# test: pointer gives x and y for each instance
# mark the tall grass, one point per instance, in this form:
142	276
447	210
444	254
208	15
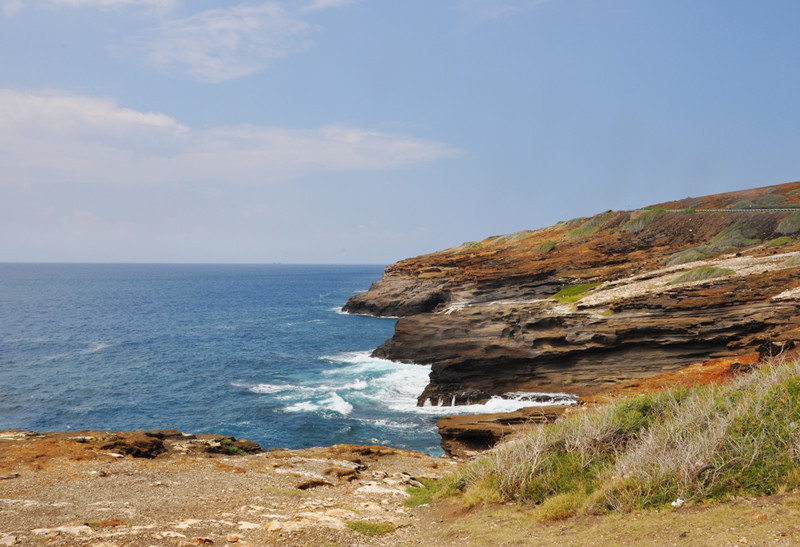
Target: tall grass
706	443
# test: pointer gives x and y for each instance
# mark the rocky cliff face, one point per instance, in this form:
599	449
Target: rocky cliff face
593	302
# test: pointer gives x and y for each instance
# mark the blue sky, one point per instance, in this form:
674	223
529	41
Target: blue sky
367	131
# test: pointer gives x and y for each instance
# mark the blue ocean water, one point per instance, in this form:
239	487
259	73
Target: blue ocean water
261	352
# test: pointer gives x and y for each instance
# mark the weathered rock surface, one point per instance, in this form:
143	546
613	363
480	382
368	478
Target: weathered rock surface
484	317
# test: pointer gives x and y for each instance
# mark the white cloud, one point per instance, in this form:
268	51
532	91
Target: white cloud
56	137
325	4
10	7
223	44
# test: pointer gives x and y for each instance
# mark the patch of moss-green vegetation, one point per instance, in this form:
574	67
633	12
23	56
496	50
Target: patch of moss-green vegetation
770	200
590	227
371	528
744	204
682	257
789	225
573	293
706	272
731	238
778	241
792	261
641	221
422	495
708	443
545	247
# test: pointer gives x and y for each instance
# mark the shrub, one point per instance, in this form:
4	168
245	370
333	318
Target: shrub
682	257
714	442
573	293
792	261
640	222
591	226
789	225
770	200
699	274
545	247
778	241
731	238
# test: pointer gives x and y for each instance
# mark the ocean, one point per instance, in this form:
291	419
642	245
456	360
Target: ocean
261	352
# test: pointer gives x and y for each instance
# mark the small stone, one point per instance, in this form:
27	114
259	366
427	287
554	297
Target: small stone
204	541
274	526
743	540
248	525
233	538
7	541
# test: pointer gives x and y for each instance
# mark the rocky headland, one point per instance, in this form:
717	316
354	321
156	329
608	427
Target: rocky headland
592	304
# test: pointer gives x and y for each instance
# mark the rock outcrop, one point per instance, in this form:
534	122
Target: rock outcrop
594	302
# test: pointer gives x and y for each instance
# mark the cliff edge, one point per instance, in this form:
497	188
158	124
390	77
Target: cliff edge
592	303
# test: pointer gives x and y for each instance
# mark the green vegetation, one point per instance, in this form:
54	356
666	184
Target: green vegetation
573	293
420	495
371	528
591	226
545	247
706	272
708	443
770	200
789	225
682	257
731	238
640	222
744	204
792	261
231	448
778	241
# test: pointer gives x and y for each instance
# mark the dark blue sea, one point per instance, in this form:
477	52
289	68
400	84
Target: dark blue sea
260	352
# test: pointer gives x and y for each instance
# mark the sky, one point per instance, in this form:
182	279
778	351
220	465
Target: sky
368	131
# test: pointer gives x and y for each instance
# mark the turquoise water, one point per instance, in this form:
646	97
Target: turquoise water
261	352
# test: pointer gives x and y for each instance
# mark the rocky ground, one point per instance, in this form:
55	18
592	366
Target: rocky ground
86	488
76	490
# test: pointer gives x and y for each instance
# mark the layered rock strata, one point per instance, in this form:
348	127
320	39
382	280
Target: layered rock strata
590	303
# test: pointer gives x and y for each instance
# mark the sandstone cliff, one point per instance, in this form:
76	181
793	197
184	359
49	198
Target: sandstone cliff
594	302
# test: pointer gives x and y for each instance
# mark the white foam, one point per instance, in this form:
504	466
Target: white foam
333	403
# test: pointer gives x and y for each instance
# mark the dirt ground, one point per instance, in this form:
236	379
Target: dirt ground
66	491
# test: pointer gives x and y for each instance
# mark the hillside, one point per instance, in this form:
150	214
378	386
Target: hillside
592	303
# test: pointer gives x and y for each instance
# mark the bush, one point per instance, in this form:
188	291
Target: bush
641	221
699	274
789	225
770	200
714	442
573	293
778	241
545	247
682	257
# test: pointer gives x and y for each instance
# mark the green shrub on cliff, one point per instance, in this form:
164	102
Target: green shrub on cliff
789	225
778	241
731	238
545	247
641	221
699	274
573	293
715	442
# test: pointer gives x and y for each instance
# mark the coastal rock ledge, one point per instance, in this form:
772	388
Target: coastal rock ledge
592	303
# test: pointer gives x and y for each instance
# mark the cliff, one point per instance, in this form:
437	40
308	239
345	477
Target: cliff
592	303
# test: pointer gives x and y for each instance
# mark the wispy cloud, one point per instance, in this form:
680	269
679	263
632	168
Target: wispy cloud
315	5
10	7
223	44
57	137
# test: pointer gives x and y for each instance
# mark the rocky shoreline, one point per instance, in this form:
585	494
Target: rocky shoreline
170	488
